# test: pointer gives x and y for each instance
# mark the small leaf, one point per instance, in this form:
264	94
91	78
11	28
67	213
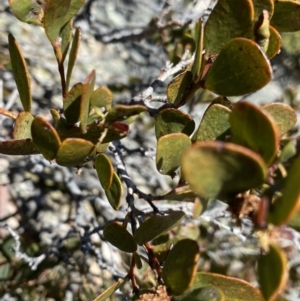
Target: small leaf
288	151
119	237
262	30
240	68
104	170
45	138
272	272
72	102
109	291
20	72
101	98
173	121
22	126
260	5
284	116
74	152
87	90
286	16
216	169
288	205
157	225
73	55
180	266
114	193
275	43
122	112
18	147
65	36
178	87
29	11
229	19
196	68
214	124
207	293
169	150
182	193
253	128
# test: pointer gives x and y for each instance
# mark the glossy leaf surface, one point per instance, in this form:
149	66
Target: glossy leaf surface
18	147
214	123
119	237
274	263
169	150
74	152
253	128
45	137
22	126
20	71
284	116
240	68
180	266
104	170
173	121
157	225
288	205
114	193
216	169
229	19
286	16
101	98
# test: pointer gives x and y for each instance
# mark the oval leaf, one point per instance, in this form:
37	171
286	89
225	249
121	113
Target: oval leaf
74	152
119	237
260	5
214	124
208	293
275	43
22	126
253	128
240	68
284	116
157	225
181	193
105	170
169	150
173	121
71	103
180	266
45	138
101	98
288	205
286	16
114	193
18	147
216	169
229	19
274	263
20	72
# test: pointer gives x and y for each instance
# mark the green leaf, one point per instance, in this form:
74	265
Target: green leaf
57	14
275	43
288	150
272	272
229	19
104	170
72	102
208	293
255	129
169	150
173	121
109	291
214	124
178	87
232	288
260	5
288	205
138	260
87	90
286	16
45	138
240	68
20	72
28	11
122	112
18	147
216	169
180	266
101	98
74	152
182	193
157	225
114	193
283	115
196	68
66	36
22	126
73	55
119	237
